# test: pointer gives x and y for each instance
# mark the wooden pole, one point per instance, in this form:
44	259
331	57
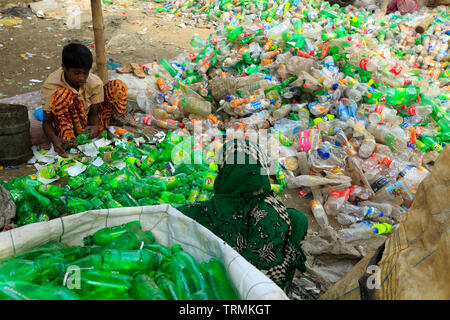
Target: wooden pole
100	51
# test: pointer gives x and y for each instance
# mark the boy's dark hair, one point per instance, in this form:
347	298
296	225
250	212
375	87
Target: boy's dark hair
76	55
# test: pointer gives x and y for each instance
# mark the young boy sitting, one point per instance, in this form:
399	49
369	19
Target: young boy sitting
75	100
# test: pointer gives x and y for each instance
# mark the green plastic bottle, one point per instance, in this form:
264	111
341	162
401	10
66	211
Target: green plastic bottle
280	174
429	144
50	190
75	205
48	266
145	288
42	200
129	261
76	182
204	196
92	183
163	250
140	191
97	203
48	171
168	66
125	199
172	198
83	138
16	195
232	35
18	269
103	285
21	290
214	272
186	274
166	286
131	240
106	235
22	182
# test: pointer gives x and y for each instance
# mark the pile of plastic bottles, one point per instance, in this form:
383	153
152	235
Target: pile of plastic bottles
127	175
357	118
121	262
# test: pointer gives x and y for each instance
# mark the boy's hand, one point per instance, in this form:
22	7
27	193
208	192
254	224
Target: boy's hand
93	131
58	146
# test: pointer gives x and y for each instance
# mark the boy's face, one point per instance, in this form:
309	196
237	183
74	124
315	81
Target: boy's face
76	77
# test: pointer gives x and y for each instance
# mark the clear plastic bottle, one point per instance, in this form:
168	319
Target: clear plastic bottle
335	201
380	113
359	231
298	64
348	218
319	214
196	106
160	114
394	137
352	94
282	112
367	147
325	77
419	110
303	114
143	118
368	212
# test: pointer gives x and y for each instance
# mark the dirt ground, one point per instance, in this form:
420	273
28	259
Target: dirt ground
45	38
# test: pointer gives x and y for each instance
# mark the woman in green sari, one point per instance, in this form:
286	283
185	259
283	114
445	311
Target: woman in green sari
246	214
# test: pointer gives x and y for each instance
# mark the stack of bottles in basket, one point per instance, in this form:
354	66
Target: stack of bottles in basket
121	262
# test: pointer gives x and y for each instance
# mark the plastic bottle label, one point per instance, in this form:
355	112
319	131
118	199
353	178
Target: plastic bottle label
405	171
304	140
412	111
396	69
397	189
340	194
315	204
386	161
363	63
257	105
379	183
378	108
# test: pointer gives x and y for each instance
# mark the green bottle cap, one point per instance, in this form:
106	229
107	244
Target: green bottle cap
88	241
317	121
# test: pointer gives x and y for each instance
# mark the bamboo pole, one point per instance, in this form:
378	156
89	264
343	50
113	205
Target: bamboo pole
100	51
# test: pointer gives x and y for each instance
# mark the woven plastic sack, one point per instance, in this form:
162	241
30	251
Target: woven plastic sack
413	263
7	209
168	225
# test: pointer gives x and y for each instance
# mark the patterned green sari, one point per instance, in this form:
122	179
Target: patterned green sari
246	214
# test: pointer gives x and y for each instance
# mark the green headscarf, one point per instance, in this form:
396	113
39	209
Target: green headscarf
246	214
